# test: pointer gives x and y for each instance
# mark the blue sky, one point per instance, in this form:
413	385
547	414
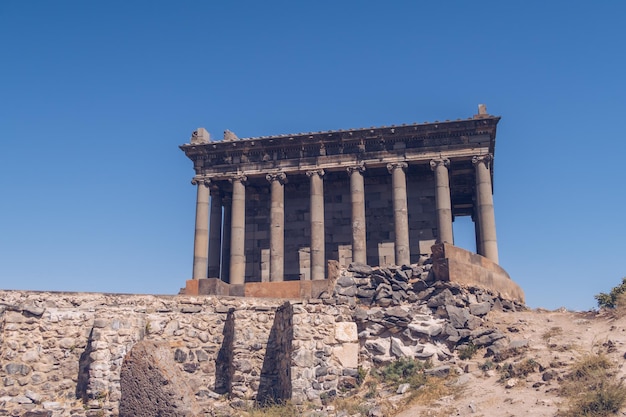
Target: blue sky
95	98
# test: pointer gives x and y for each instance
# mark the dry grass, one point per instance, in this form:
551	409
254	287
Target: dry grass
552	332
592	388
274	410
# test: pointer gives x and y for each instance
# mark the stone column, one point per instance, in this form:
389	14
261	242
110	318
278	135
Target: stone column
277	226
215	233
357	197
201	236
442	199
238	231
484	199
226	228
318	254
400	214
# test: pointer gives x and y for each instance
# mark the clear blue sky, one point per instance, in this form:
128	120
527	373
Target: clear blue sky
95	98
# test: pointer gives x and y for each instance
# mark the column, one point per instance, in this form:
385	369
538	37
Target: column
238	231
318	254
201	236
442	200
357	197
226	229
484	199
400	216
215	233
277	226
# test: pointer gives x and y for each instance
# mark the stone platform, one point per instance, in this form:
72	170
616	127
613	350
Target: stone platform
454	264
304	289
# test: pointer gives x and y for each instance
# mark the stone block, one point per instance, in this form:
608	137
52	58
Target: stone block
347	354
346	332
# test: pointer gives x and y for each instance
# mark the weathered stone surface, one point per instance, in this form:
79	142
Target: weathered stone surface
346	332
152	385
480	309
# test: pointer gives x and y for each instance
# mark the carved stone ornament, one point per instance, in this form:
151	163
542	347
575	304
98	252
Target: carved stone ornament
486	159
200	136
393	165
238	177
359	167
278	176
319	172
201	180
434	163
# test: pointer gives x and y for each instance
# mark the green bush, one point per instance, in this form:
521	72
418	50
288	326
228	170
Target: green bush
403	370
468	351
610	300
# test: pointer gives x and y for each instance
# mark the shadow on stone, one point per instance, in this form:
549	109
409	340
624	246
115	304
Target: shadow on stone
224	364
275	383
84	366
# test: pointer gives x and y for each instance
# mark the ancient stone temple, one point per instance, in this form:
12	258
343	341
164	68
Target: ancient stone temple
278	208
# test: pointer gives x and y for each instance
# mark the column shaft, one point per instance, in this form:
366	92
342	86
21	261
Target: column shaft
357	196
486	216
238	232
201	236
318	254
400	213
226	229
277	226
215	234
443	201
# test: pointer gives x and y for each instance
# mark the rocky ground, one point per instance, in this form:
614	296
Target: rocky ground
554	340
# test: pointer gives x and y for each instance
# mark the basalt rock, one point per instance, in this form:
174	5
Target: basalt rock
152	384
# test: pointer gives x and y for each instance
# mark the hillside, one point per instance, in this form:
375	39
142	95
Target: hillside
554	341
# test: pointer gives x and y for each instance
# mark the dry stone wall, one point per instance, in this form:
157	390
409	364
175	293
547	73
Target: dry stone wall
62	354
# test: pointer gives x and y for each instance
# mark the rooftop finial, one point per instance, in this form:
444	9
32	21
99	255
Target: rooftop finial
229	136
482	112
200	136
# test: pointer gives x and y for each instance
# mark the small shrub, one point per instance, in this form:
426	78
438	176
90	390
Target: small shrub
468	351
372	389
487	365
553	331
610	300
526	367
361	375
592	388
275	410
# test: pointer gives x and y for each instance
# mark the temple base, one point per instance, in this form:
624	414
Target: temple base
453	264
284	289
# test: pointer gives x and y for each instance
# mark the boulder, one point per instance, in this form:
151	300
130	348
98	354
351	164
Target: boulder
360	268
153	385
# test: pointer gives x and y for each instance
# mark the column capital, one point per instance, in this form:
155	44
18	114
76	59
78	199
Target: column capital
312	172
201	180
277	176
358	167
238	177
395	165
486	159
434	163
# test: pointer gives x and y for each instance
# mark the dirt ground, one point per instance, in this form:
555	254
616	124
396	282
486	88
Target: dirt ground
555	339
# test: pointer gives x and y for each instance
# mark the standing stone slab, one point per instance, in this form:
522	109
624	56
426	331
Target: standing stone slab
152	385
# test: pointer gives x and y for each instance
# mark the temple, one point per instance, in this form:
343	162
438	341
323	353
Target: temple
278	208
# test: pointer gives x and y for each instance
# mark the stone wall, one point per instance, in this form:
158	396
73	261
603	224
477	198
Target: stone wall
61	354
